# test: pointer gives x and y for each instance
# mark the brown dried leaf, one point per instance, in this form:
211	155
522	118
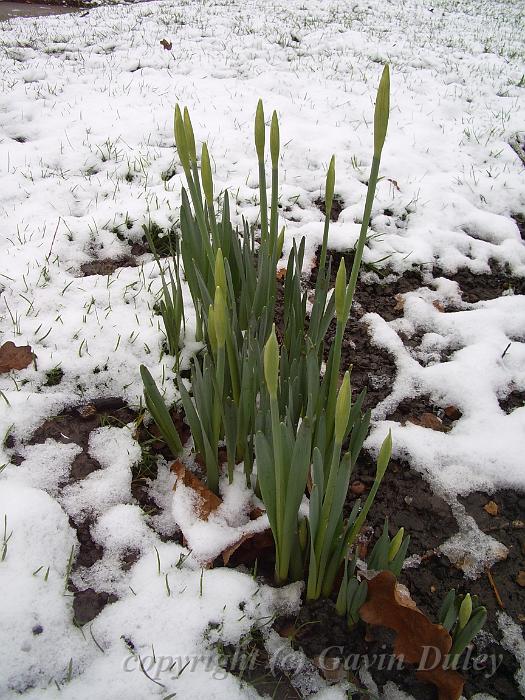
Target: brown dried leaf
400	302
166	44
390	605
520	579
452	412
438	305
331	667
259	541
207	501
15	356
358	488
87	411
491	508
428	420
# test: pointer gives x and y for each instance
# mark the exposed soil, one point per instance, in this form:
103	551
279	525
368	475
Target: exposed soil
76	424
406	499
516	399
520	221
337	206
34	8
422	411
87	604
502	516
485	286
106	266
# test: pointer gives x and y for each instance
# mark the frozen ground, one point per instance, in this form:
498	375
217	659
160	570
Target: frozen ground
87	158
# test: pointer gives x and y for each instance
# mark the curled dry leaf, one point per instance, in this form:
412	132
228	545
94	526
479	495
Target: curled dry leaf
207	501
428	420
400	302
452	412
418	640
15	356
249	548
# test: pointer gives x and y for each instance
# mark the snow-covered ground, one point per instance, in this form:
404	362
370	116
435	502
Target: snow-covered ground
87	157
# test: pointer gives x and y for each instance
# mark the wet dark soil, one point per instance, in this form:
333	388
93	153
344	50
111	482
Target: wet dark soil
76	424
520	221
106	266
34	8
485	286
87	604
337	206
422	411
516	399
406	499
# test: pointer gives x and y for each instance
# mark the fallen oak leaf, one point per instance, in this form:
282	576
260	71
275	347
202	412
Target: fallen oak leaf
166	44
389	604
207	501
15	356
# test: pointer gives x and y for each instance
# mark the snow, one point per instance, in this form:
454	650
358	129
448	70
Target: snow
513	641
87	159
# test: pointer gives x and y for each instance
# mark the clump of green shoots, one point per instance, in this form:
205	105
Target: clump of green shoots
463	617
252	394
352	594
388	553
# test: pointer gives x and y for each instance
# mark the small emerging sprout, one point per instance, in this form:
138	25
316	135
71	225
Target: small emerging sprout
389	554
465	611
463	617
